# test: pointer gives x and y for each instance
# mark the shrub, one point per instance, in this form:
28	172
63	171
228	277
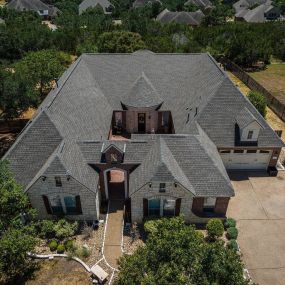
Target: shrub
64	229
232	233
232	244
53	245
85	252
259	102
150	226
230	223
215	228
69	245
60	248
47	229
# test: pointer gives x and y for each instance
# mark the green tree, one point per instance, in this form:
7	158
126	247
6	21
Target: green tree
16	235
177	254
259	102
120	42
41	68
16	94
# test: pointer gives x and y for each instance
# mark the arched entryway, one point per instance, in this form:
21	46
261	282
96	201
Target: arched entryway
115	181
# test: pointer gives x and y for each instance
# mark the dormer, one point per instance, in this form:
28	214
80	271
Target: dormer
112	153
247	128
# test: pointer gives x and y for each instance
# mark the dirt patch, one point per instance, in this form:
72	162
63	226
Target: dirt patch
59	271
6	140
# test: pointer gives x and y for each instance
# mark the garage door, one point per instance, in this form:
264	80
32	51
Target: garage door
246	159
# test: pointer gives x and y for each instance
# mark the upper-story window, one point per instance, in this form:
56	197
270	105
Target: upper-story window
162	187
250	135
58	182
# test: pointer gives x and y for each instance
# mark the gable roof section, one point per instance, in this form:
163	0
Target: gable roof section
244	118
186	159
32	148
199	3
142	94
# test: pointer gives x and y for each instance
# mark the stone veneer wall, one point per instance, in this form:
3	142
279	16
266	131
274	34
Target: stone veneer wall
171	192
132	120
89	203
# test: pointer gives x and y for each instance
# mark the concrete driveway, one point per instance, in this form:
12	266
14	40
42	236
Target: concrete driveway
259	208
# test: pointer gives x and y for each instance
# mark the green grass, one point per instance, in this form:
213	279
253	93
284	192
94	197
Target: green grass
273	79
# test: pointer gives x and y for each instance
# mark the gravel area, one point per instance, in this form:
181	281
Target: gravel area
134	236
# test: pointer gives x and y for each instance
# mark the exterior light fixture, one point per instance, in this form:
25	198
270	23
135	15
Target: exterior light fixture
175	184
149	184
44	178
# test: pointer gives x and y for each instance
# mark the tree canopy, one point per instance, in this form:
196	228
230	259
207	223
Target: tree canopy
177	254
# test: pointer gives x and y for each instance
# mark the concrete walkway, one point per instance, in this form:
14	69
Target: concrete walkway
113	234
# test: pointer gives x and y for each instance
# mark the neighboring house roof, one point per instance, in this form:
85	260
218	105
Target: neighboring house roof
199	3
189	18
203	101
32	5
105	4
142	94
142	3
247	4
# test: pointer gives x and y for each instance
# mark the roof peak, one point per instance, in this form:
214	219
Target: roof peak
143	94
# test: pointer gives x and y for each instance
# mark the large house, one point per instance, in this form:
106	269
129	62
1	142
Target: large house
256	11
170	124
44	10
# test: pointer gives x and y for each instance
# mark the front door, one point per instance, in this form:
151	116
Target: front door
141	122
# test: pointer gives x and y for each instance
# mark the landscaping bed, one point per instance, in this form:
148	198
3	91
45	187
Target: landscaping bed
71	238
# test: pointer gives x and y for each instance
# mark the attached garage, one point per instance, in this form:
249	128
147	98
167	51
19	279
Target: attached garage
246	159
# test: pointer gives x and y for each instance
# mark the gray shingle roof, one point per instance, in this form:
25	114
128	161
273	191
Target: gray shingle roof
142	94
142	3
189	18
244	118
199	3
32	5
85	4
79	112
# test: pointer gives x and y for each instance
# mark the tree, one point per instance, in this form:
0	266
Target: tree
177	254
259	102
41	68
120	42
16	95
16	235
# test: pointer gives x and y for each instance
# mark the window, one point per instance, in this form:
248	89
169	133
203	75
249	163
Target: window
55	204
154	207
251	151
70	205
225	151
238	151
114	158
165	119
162	187
118	119
264	151
58	181
209	204
250	135
168	207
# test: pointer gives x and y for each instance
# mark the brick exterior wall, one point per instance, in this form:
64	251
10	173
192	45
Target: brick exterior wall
89	200
151	117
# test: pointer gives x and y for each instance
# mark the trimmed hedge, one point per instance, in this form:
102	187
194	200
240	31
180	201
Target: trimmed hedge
53	245
232	233
230	223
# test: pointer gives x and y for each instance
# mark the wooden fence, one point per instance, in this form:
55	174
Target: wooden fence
273	103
